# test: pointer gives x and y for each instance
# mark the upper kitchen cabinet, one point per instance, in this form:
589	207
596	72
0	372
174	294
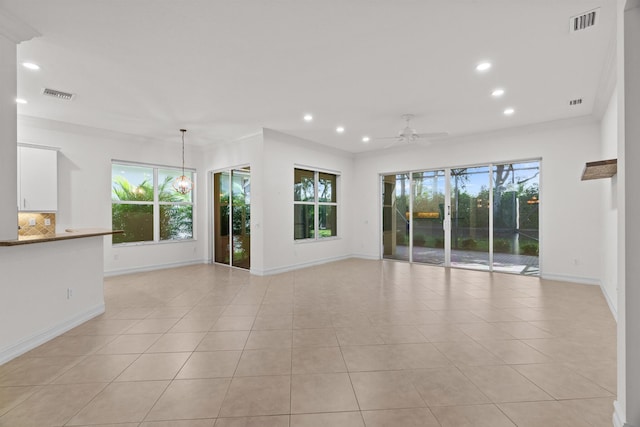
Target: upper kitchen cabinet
37	179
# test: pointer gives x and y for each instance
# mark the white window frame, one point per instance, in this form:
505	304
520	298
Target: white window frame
156	203
316	204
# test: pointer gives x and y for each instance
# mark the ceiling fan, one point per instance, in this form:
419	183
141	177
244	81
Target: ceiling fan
409	135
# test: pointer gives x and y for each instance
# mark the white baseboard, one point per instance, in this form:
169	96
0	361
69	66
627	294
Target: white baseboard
618	416
292	267
153	267
612	307
29	343
366	256
573	279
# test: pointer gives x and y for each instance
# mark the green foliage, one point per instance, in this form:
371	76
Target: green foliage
529	249
419	240
136	220
502	246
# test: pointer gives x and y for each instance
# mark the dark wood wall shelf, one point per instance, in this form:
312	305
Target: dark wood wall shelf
600	169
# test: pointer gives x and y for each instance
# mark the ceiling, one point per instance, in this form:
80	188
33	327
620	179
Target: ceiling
225	69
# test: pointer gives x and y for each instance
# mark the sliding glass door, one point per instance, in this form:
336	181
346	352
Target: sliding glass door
481	217
232	217
470	217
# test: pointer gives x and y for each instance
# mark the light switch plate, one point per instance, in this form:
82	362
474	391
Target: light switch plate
47	221
32	221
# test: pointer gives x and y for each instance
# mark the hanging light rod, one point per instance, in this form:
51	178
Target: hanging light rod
183	184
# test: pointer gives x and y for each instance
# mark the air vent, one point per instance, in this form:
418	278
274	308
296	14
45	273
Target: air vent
583	21
577	101
58	94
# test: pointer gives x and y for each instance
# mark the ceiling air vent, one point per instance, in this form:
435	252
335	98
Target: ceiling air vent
58	94
577	101
584	20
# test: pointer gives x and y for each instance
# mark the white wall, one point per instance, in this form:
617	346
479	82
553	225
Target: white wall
33	297
609	205
84	183
282	153
8	148
570	215
247	151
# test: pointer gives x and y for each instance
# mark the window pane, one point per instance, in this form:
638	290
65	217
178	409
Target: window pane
166	192
133	183
326	187
303	186
176	222
303	227
327	221
135	220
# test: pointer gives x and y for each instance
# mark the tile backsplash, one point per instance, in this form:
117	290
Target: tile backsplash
40	229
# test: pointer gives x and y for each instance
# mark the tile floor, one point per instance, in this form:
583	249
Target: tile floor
351	343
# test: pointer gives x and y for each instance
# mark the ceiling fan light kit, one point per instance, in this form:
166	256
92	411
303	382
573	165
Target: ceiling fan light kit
408	135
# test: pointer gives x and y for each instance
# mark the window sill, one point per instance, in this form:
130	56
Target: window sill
163	242
324	239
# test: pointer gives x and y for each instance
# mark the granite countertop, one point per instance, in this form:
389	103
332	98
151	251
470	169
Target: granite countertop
70	233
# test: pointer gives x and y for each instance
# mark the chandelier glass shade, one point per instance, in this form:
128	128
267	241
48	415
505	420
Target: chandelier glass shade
183	184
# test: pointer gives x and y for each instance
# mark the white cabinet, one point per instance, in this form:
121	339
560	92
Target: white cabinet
37	179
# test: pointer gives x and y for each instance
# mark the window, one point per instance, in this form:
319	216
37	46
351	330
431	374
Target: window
315	204
145	205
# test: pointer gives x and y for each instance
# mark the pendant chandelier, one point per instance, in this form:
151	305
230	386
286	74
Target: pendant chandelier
182	184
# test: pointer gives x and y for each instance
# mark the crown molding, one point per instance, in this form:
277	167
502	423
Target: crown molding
14	29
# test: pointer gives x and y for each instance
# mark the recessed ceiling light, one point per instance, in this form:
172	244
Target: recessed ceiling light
366	139
21	101
497	93
483	66
31	65
308	117
340	129
509	111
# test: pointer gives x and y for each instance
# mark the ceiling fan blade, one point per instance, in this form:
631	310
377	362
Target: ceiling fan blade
432	135
385	137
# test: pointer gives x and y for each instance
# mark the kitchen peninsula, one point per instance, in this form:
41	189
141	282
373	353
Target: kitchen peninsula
50	284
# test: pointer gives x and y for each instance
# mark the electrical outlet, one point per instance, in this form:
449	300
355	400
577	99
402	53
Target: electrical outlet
32	221
47	221
69	293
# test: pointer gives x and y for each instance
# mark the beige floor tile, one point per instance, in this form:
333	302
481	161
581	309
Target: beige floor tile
315	338
72	345
224	340
34	371
121	403
400	335
542	414
176	423
252	396
154	366
273	321
445	387
335	419
269	339
484	331
151	326
393	356
504	384
169	312
385	390
471	416
185	399
241	310
358	336
12	396
415	417
268	421
211	312
103	327
597	412
320	320
177	342
442	332
233	323
51	405
515	352
311	360
192	324
467	353
216	364
561	382
97	369
522	330
271	361
603	373
129	344
322	393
